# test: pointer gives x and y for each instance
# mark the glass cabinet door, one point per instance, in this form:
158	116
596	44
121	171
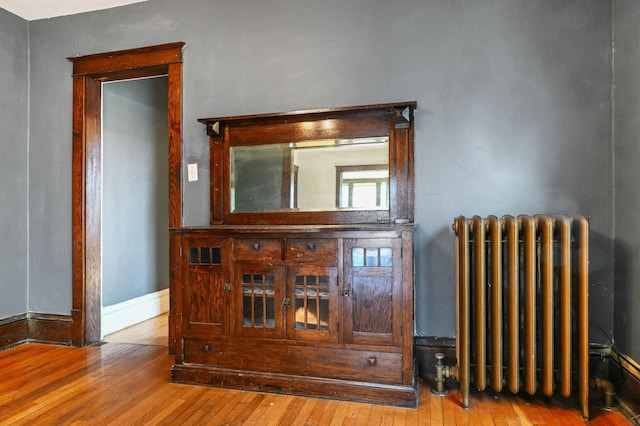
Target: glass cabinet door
312	292
259	301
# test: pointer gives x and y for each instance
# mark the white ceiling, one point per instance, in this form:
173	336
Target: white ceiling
40	9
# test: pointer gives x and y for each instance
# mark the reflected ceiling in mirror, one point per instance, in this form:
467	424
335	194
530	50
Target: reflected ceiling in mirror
310	176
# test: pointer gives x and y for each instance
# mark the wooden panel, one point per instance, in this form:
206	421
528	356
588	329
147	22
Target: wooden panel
317	250
402	166
122	60
205	301
257	249
369	125
175	290
86	208
308	218
46	328
174	86
398	395
50	328
372	304
13	331
368	366
373	314
203	290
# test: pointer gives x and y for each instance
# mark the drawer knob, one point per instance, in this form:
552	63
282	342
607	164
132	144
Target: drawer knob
372	361
256	246
207	348
311	246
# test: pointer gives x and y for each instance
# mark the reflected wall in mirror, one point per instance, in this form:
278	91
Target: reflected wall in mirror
317	175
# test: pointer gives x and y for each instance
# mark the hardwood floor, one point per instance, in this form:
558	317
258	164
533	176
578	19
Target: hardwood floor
125	381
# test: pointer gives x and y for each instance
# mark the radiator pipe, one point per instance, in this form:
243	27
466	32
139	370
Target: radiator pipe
605	386
443	372
607	389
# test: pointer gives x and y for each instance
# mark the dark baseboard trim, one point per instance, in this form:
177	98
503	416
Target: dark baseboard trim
13	331
426	349
36	328
50	328
628	386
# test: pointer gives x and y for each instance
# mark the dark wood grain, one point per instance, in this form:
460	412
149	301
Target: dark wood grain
337	123
350	337
13	331
364	342
103	65
89	72
35	327
50	328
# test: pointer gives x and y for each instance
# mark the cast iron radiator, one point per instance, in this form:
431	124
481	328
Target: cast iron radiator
522	305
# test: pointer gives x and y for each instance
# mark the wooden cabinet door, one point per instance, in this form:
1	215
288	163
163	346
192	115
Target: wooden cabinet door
372	292
311	303
258	300
206	288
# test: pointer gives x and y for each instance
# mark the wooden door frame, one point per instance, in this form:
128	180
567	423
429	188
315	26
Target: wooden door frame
89	72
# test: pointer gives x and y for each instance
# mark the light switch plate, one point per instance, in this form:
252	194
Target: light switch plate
192	172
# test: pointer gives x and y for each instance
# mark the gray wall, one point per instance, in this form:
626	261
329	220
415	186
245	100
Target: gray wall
514	110
14	166
135	189
627	176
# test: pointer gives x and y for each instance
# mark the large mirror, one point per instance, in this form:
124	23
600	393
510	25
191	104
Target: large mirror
334	166
308	176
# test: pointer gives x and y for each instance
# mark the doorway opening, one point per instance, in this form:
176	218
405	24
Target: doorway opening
89	74
135	199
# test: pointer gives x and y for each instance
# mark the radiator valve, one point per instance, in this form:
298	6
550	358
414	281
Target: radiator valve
442	373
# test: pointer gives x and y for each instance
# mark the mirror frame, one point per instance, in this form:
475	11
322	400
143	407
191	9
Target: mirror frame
395	120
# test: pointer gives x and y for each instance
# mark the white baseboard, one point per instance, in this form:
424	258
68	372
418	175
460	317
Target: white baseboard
125	314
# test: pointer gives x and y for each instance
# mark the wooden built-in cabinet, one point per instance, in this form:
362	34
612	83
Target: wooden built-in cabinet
316	309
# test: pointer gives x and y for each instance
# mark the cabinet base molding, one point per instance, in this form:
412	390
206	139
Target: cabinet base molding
398	395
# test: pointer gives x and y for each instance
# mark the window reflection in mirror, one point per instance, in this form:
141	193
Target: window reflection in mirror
363	187
318	175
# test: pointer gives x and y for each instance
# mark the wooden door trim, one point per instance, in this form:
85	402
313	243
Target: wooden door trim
88	74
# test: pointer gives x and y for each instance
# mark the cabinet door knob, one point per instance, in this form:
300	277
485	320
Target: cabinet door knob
372	361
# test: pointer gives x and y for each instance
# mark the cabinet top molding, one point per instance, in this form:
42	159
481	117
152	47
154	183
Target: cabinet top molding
317	113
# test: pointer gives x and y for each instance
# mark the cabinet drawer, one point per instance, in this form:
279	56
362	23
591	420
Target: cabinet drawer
257	249
322	250
346	364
